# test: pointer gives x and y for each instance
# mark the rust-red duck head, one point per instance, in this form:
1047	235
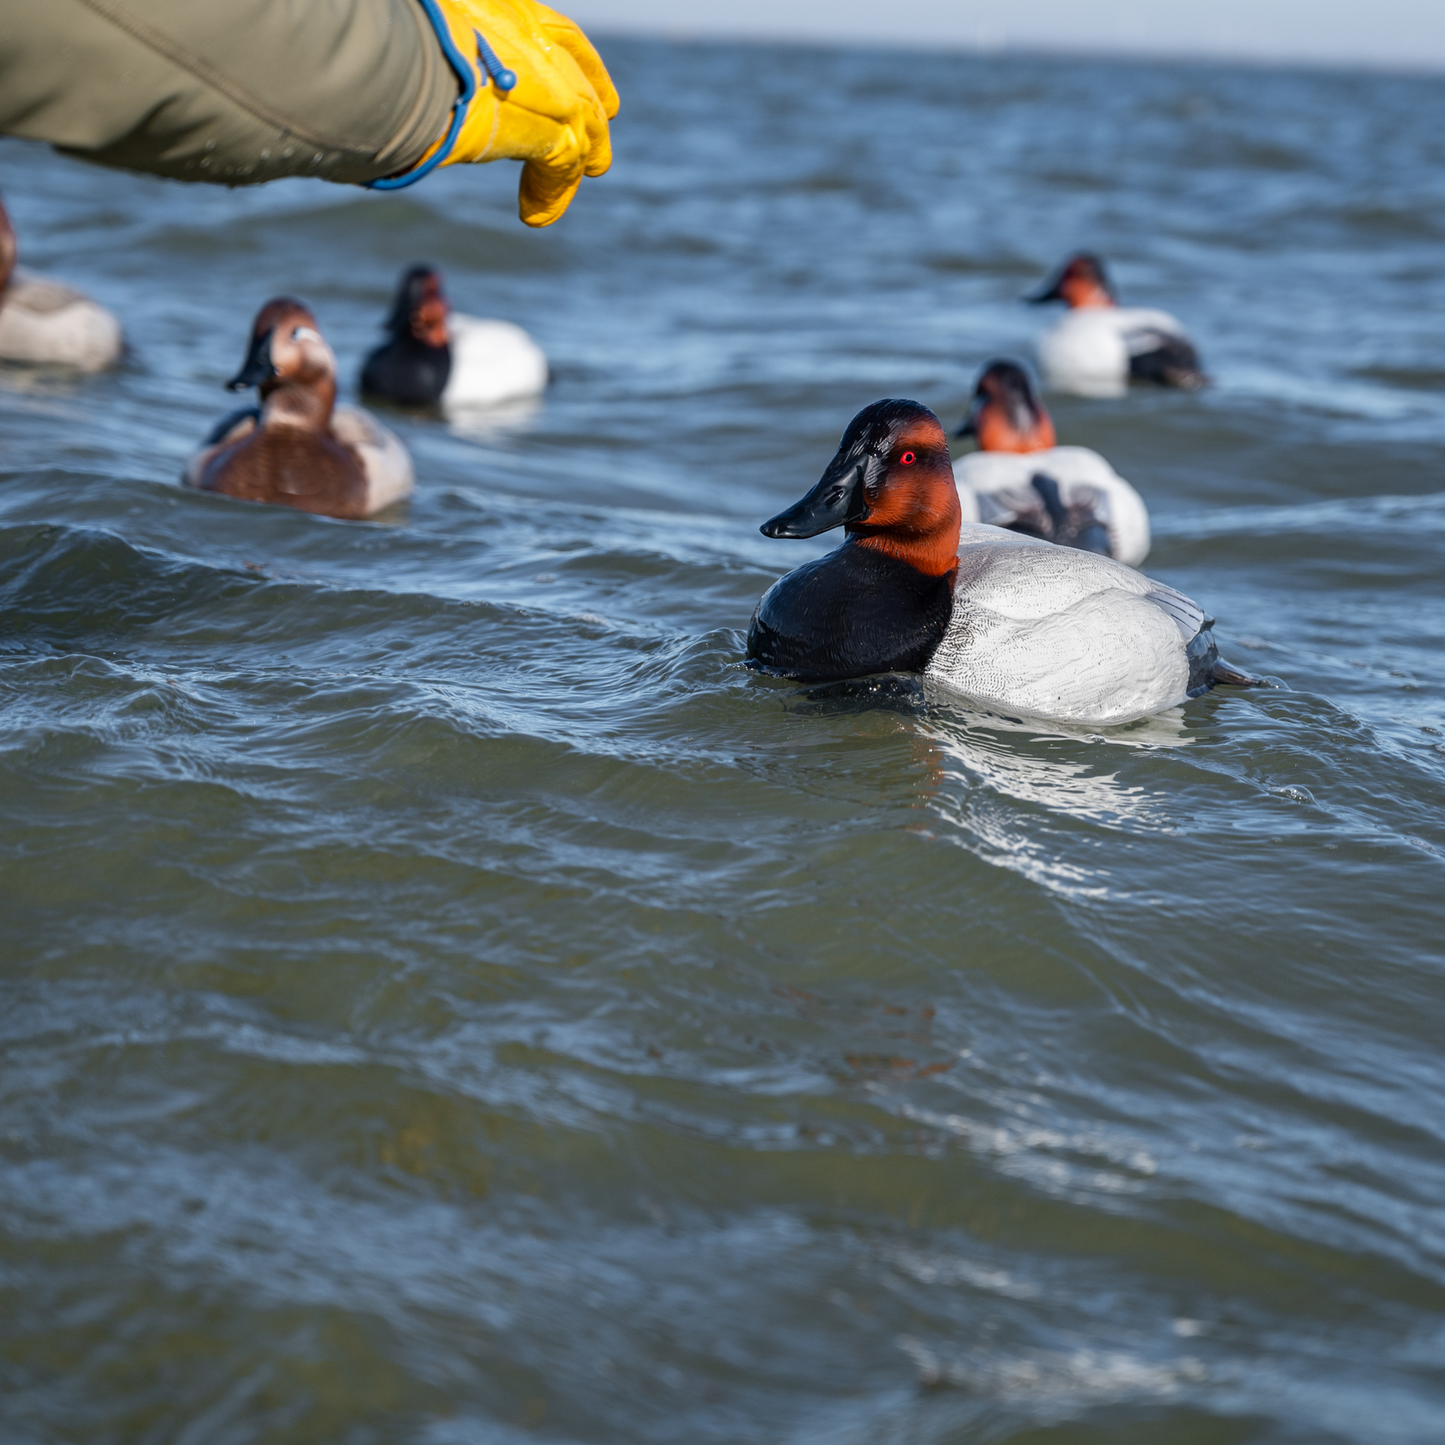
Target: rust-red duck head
288	351
287	355
1080	282
889	486
1007	415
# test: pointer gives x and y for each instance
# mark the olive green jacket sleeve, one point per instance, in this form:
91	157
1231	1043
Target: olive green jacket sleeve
230	91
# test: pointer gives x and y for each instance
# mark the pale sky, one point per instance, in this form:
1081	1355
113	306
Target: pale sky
1371	32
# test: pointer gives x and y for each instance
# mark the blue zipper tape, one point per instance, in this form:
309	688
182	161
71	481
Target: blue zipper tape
468	78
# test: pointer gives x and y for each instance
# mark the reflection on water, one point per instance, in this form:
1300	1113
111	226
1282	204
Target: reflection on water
446	997
492	424
1005	793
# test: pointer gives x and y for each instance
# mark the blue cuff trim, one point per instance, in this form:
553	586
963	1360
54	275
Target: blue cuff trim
468	78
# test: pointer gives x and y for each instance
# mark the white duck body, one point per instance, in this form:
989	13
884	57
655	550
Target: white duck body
492	362
1062	635
47	323
997	488
1088	351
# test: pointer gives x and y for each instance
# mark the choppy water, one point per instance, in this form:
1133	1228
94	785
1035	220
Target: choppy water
446	999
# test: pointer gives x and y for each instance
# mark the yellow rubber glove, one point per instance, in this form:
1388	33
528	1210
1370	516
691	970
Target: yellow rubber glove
555	117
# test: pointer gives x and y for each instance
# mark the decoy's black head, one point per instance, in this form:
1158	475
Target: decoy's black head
1007	415
420	309
1080	281
891	486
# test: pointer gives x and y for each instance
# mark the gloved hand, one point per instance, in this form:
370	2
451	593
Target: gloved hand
554	118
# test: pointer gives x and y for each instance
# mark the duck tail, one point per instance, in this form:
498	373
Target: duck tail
1222	672
1171	361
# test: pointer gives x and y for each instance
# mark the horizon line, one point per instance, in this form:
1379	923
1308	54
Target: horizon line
1120	51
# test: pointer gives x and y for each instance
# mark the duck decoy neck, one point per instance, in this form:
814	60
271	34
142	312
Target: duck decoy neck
309	404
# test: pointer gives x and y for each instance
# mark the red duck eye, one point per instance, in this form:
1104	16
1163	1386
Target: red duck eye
907	459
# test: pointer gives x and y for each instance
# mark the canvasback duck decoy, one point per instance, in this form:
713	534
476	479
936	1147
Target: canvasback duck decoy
1019	480
299	449
1015	624
434	357
47	323
1099	347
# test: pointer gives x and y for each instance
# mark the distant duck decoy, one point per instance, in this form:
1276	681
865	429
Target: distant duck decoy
1015	624
299	449
45	322
1021	481
433	357
1098	346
